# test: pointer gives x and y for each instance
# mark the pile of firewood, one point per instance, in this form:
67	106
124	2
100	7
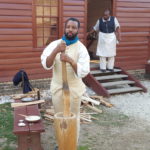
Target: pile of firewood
85	117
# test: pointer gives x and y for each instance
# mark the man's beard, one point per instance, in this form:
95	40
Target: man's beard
71	37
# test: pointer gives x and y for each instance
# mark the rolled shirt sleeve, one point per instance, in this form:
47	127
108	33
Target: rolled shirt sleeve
96	27
47	51
83	64
116	23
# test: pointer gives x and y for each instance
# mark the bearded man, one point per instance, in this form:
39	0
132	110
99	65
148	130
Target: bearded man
70	50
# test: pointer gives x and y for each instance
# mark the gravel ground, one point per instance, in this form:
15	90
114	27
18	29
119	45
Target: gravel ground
135	105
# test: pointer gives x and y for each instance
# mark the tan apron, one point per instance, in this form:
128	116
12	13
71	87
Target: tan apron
76	86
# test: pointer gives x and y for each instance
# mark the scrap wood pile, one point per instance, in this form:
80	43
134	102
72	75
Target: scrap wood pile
87	102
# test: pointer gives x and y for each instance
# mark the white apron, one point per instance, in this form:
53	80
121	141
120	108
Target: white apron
106	46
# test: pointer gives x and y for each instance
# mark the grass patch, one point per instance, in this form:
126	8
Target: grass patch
6	125
83	148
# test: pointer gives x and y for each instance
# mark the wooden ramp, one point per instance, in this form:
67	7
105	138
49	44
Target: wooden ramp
109	83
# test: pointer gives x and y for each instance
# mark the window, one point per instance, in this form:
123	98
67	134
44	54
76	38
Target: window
46	18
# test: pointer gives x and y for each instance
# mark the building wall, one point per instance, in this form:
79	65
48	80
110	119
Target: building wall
16	41
134	16
16	34
77	9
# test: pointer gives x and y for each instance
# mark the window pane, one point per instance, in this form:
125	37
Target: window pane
47	2
54	11
39	2
46	40
46	11
40	32
39	22
39	11
53	21
54	2
40	42
47	22
46	32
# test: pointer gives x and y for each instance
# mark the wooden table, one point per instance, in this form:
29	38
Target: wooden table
29	135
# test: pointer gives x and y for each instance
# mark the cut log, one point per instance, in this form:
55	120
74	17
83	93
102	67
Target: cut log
88	99
27	103
102	101
93	108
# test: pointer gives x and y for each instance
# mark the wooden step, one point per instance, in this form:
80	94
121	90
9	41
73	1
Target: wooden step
116	76
98	71
124	90
109	84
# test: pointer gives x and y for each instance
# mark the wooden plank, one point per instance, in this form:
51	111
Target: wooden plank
89	80
131	10
143	43
133	53
18	67
16	128
108	77
135	29
15	49
124	90
128	24
136	15
15	12
36	127
128	64
138	34
98	71
28	71
16	1
134	39
81	19
20	61
130	58
15	19
136	48
15	6
19	55
73	8
71	13
128	19
15	43
15	31
16	37
33	76
135	1
72	3
15	25
109	84
132	4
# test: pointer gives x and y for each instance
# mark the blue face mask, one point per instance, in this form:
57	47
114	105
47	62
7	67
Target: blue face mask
69	42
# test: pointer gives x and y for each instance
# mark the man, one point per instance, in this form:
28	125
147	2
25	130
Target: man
77	59
109	34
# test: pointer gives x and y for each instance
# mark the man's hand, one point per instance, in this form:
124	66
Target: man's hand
61	47
64	57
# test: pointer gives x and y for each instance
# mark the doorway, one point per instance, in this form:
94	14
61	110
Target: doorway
95	9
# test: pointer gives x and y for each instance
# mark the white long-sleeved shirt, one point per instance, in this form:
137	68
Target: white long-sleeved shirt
83	67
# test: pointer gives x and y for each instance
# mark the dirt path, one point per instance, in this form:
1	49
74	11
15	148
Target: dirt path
113	131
